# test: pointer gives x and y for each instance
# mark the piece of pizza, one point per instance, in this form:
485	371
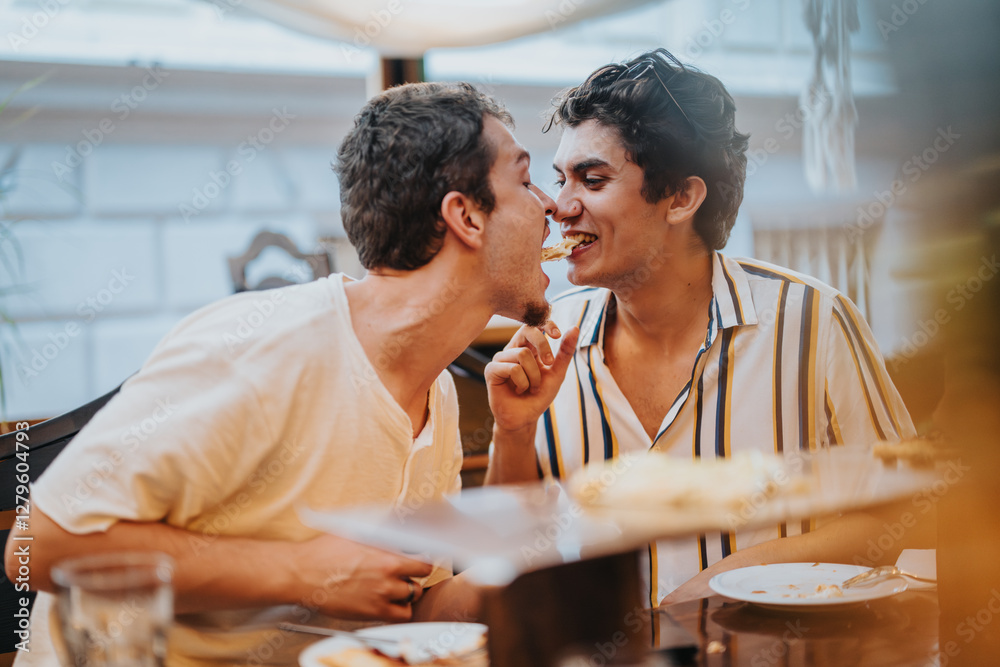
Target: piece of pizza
917	452
564	248
360	657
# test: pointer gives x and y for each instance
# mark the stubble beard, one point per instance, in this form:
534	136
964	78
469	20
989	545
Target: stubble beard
536	313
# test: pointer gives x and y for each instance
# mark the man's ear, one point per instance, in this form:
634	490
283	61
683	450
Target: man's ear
464	218
685	202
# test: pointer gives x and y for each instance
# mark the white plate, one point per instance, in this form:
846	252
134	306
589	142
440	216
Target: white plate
793	585
429	639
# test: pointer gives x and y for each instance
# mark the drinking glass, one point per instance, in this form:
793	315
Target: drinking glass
113	609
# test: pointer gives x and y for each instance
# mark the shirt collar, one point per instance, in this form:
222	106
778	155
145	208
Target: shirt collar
732	302
592	319
731	291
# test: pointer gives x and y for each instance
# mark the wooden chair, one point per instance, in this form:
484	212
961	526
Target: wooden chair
319	263
33	448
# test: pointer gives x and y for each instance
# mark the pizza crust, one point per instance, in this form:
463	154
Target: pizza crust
560	250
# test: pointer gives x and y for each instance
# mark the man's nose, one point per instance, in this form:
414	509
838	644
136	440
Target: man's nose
567	206
547	201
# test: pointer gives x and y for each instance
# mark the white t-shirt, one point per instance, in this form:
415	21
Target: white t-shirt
249	408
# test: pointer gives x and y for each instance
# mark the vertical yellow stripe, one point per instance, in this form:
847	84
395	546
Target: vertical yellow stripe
861	375
878	376
728	400
833	414
777	425
811	381
736	292
775	370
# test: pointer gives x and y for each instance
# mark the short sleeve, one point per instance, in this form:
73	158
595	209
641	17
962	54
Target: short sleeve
172	443
860	401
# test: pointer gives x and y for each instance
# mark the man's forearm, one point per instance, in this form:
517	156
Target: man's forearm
512	457
212	572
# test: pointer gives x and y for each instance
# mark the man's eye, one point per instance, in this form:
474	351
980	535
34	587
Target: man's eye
559	184
591	182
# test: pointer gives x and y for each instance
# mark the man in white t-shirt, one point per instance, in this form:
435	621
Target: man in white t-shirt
323	395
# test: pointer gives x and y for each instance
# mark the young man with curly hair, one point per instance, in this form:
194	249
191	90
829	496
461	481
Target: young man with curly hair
670	345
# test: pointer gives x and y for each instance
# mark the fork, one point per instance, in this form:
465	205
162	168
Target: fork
374	642
882	572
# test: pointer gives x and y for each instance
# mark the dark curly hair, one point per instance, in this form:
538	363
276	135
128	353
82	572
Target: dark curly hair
674	122
410	146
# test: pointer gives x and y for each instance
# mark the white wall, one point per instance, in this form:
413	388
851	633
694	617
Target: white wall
124	216
165	93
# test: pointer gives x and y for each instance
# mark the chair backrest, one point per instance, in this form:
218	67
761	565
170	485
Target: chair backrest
470	364
319	263
30	451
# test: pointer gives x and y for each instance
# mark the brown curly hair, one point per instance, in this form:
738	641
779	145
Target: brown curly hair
409	147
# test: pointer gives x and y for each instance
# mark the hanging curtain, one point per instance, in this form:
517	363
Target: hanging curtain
408	28
828	100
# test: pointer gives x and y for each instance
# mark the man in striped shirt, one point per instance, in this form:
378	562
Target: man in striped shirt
672	346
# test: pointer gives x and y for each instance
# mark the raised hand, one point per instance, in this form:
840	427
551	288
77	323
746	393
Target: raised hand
525	377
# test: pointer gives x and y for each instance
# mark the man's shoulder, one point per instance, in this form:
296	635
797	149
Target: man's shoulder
761	274
243	322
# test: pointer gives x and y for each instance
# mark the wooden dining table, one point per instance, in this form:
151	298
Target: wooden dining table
898	630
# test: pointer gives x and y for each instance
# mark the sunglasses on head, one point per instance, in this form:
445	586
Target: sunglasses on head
649	65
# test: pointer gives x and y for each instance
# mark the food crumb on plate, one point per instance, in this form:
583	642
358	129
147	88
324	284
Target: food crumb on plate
715	647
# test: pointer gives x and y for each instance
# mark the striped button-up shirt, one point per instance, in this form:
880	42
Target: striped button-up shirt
787	364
